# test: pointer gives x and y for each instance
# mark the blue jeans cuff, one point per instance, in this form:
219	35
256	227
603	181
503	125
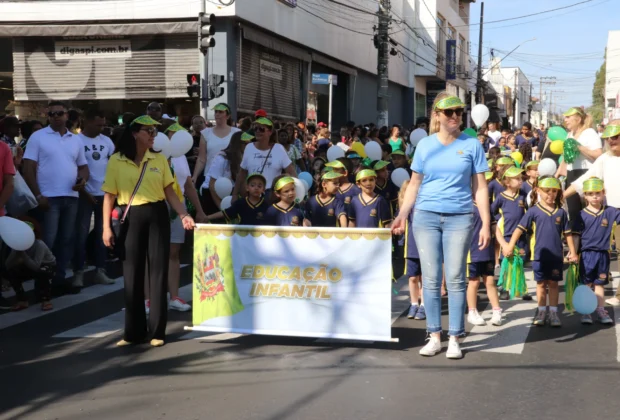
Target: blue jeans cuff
457	333
431	329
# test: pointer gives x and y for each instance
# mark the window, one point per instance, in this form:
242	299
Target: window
463	54
420	105
451	32
441	38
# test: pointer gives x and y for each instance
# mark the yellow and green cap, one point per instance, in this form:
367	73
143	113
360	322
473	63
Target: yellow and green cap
488	176
449	102
593	185
335	164
284	181
398	152
512	172
611	131
221	107
549	183
531	163
574	110
490	163
256	175
380	165
145	120
175	127
248	136
504	160
264	121
365	173
330	175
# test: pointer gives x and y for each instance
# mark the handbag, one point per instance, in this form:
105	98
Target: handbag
22	200
122	226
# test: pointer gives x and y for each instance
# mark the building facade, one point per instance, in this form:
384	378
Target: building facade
507	94
612	78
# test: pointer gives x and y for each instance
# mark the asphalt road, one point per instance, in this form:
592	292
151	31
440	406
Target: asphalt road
64	365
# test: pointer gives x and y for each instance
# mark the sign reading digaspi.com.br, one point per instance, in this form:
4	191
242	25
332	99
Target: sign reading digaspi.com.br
90	49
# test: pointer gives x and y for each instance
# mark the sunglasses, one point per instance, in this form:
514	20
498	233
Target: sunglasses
56	113
450	112
614	138
151	130
261	129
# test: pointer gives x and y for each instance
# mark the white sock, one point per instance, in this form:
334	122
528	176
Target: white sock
553	308
542	308
421	304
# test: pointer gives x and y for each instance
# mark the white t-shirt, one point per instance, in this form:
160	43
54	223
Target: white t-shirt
181	170
607	168
590	139
97	152
253	160
495	136
215	144
57	160
220	167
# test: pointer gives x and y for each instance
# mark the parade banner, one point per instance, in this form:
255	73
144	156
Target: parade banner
306	282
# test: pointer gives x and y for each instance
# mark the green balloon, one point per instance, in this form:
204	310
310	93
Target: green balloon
557	133
471	132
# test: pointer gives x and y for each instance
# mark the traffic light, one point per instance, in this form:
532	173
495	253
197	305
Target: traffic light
215	90
206	30
193	85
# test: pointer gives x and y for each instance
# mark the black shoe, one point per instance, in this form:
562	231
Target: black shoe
64	289
527	297
504	295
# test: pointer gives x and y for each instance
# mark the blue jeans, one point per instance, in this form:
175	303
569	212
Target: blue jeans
58	231
82	229
443	238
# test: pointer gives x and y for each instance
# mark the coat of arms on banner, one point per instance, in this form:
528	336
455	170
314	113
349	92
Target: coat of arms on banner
215	290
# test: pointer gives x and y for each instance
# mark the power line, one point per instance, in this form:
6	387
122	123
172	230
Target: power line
332	23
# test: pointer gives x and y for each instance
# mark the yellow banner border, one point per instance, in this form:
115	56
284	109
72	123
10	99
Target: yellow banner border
295	232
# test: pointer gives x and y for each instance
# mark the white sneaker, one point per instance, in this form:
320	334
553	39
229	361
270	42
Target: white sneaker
78	279
102	278
432	347
454	349
496	319
178	304
147	307
614	301
475	318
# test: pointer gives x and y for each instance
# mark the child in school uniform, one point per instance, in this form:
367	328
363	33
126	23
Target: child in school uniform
495	189
346	190
284	212
399	160
549	222
531	173
412	266
384	186
249	211
324	209
368	209
595	224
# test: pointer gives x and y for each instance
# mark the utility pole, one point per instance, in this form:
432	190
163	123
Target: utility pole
530	106
479	77
545	81
382	62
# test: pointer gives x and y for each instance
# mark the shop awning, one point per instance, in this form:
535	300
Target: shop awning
107	29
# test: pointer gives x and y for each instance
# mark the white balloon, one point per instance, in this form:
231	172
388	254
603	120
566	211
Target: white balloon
305	184
16	234
334	153
223	187
417	135
480	114
400	176
181	143
373	150
300	190
547	167
306	177
162	144
226	203
529	199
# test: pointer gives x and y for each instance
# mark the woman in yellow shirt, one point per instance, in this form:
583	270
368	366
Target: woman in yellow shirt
145	233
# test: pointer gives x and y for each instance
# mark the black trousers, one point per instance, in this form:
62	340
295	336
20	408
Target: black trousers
574	201
146	241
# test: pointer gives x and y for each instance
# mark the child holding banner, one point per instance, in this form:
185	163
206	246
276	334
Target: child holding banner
284	212
251	209
367	209
324	209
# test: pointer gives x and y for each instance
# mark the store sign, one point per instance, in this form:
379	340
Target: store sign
451	59
290	3
270	70
323	79
92	49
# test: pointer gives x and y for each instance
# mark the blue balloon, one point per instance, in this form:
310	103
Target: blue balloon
584	300
306	177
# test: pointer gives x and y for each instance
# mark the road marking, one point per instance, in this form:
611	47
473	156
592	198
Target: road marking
28	285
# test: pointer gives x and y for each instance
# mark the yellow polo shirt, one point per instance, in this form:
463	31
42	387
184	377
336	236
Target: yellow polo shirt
122	176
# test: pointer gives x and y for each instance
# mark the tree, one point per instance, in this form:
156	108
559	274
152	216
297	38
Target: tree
597	110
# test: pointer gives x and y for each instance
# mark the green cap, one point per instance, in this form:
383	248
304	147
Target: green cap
531	163
449	102
264	121
248	136
488	176
380	165
573	111
330	175
335	164
284	181
504	160
256	175
549	183
144	120
593	185
398	152
174	128
512	172
611	131
221	107
365	173
490	163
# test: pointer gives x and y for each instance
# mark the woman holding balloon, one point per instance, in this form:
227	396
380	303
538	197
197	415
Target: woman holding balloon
448	174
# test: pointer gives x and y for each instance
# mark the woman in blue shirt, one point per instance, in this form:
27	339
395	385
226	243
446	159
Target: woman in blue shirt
448	172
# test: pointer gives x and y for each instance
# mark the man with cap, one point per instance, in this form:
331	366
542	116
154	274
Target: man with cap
154	111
